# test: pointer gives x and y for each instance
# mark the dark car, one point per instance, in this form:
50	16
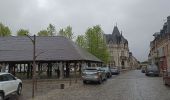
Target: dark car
107	71
115	71
143	69
152	70
93	74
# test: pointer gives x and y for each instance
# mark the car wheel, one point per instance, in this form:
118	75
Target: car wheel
1	96
84	82
110	76
19	90
100	81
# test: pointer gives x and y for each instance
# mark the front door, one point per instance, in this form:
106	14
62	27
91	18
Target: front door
123	64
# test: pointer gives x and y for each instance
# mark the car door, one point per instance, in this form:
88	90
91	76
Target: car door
102	73
13	83
5	84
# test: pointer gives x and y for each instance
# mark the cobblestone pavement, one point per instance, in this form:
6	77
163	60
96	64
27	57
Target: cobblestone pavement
131	85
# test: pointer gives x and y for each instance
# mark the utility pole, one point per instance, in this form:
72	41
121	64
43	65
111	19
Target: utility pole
34	65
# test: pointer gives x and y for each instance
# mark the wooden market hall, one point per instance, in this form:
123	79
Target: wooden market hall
55	56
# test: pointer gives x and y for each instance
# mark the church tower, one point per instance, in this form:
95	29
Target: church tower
118	48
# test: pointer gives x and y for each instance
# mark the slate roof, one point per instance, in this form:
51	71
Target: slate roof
53	48
116	31
164	32
115	37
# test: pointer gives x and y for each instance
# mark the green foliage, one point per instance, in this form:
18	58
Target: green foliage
94	41
67	32
22	32
81	41
43	33
61	32
51	30
4	30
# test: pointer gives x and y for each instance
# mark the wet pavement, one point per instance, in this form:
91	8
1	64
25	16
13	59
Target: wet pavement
131	85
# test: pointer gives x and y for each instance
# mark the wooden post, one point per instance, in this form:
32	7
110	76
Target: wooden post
14	66
38	67
31	71
51	69
24	69
48	70
61	69
75	70
28	67
20	68
9	68
80	67
69	75
67	70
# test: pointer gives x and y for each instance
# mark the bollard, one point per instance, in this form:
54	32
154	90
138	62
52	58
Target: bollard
61	86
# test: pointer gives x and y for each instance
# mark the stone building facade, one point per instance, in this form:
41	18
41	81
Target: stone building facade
133	62
160	47
118	48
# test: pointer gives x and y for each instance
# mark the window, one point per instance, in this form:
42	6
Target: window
122	53
10	77
3	78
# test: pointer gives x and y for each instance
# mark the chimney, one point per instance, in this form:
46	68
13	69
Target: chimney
168	22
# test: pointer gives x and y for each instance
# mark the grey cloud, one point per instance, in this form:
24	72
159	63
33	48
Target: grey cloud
138	19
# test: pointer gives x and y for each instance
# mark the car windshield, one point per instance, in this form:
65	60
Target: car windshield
152	67
105	68
90	70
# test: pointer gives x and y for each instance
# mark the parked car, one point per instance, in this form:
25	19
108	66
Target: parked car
115	71
93	74
9	85
166	78
107	71
143	69
152	70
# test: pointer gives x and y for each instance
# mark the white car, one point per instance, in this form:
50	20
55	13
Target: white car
9	85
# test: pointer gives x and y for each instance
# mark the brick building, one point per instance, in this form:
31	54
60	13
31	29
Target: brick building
160	47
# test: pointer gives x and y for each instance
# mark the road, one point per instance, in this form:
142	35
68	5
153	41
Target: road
131	85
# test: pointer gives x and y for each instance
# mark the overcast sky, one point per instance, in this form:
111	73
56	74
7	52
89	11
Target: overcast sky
138	19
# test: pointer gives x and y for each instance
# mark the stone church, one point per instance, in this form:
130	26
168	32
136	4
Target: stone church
118	48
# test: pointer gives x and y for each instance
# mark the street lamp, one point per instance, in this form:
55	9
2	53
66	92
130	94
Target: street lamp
34	66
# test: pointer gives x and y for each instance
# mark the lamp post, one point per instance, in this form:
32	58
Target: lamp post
34	66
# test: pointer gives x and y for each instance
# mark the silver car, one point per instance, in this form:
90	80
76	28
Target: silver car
93	74
152	70
107	71
115	71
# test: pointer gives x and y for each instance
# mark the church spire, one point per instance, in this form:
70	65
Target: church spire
116	31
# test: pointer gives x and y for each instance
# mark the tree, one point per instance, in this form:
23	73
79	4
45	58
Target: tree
4	30
22	32
43	33
67	32
51	30
61	32
96	43
81	41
